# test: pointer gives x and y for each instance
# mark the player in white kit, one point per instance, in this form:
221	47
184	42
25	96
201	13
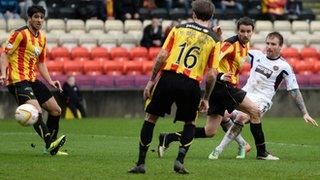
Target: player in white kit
267	72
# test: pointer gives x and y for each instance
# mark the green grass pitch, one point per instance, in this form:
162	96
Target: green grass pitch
107	148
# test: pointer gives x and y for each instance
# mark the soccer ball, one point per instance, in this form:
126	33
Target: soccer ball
26	114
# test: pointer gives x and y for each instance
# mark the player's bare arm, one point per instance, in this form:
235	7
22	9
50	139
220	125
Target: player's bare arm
3	68
160	59
45	74
298	99
210	82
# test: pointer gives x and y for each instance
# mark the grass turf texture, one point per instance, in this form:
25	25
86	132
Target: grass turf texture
107	148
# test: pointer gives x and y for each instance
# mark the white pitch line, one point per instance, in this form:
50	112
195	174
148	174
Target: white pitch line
294	145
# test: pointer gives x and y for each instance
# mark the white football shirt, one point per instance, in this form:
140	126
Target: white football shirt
267	74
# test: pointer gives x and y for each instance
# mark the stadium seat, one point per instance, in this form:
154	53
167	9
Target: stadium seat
88	40
315	27
263	26
132	25
296	41
93	68
153	52
138	52
113	68
54	67
94	24
80	51
147	67
73	67
147	22
115	25
137	35
300	27
301	67
309	52
75	24
55	24
128	41
132	68
109	40
282	26
144	13
292	61
15	24
60	51
119	52
314	41
165	24
68	40
52	40
227	25
99	52
258	41
290	52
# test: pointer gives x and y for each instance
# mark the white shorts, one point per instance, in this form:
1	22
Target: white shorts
262	102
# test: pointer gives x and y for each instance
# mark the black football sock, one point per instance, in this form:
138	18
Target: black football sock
53	126
145	140
258	135
226	125
200	132
173	137
186	140
42	130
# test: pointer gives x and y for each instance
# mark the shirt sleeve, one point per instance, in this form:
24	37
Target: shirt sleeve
226	48
290	79
13	42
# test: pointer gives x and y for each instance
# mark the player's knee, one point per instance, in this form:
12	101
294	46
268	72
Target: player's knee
56	111
255	114
210	132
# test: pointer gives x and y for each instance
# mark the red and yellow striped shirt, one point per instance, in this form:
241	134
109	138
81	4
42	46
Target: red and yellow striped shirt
233	55
24	51
191	49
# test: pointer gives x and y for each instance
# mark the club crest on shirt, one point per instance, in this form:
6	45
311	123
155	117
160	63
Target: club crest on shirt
9	46
275	68
36	51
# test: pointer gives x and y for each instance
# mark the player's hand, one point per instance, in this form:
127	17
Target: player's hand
3	80
204	106
147	90
226	77
309	119
218	31
57	85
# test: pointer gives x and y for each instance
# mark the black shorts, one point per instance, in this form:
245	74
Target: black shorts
26	90
178	88
225	97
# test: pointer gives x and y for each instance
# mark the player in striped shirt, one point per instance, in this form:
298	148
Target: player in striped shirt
188	50
25	50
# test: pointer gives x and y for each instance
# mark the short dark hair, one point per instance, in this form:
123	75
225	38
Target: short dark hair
276	35
245	21
35	9
203	9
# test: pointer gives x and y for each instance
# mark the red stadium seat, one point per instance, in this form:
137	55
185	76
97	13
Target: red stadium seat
290	52
80	51
92	68
99	52
113	68
147	67
309	52
73	67
59	51
153	52
54	68
133	67
119	52
316	67
302	67
137	52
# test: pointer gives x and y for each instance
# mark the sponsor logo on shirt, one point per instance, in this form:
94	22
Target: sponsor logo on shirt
264	71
